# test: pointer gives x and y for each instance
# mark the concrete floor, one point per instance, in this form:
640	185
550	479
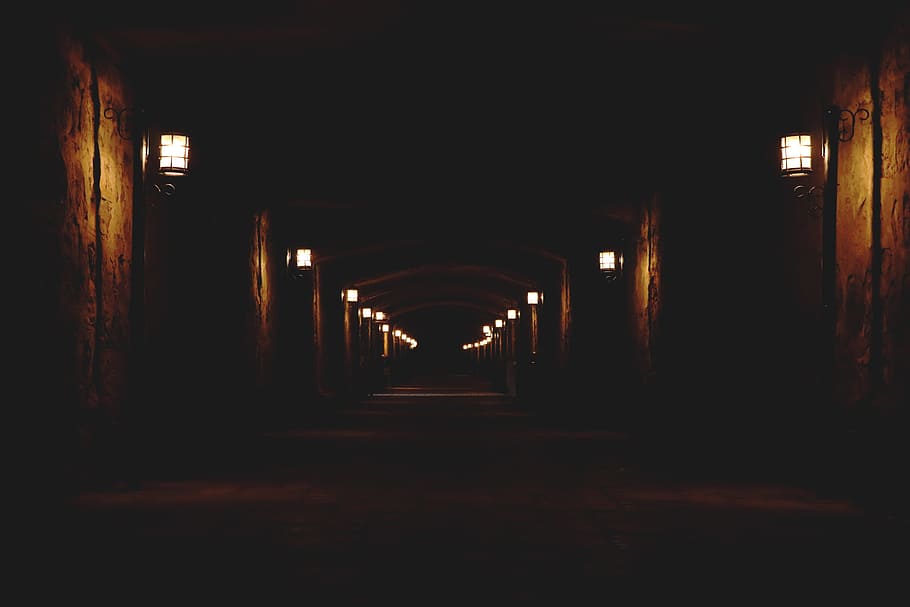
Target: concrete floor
460	498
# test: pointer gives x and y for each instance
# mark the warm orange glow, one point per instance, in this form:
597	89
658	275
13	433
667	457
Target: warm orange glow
366	312
379	315
487	330
397	333
349	295
498	323
174	154
385	327
796	155
533	297
511	314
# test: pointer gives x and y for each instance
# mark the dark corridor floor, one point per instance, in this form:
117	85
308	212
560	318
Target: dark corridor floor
459	498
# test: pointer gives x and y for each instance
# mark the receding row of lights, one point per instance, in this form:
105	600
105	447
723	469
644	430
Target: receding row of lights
367	313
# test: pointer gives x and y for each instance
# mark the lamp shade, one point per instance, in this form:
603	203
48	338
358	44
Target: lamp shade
302	259
796	155
174	154
607	261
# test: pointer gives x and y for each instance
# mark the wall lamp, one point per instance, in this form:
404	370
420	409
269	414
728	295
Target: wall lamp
172	152
535	297
610	263
300	260
797	153
349	295
173	159
796	157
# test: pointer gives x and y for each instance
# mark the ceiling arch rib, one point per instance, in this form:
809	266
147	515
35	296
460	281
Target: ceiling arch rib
443	291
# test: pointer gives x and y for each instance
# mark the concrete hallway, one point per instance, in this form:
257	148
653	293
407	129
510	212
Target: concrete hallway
452	494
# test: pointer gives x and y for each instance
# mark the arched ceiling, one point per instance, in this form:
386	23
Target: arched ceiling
442	292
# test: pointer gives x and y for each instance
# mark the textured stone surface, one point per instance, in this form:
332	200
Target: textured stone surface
645	294
78	241
264	268
114	236
93	227
895	229
854	236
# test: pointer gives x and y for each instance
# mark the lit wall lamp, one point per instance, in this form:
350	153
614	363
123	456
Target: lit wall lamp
512	342
796	155
379	316
300	260
174	154
366	312
610	263
796	161
173	159
349	295
534	298
173	150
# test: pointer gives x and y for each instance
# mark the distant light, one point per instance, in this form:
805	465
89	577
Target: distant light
533	297
349	295
366	312
385	327
511	314
498	323
487	330
303	258
608	261
379	315
397	333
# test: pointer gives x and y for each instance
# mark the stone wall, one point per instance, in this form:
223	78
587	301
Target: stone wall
894	96
851	91
264	265
87	223
645	291
872	235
